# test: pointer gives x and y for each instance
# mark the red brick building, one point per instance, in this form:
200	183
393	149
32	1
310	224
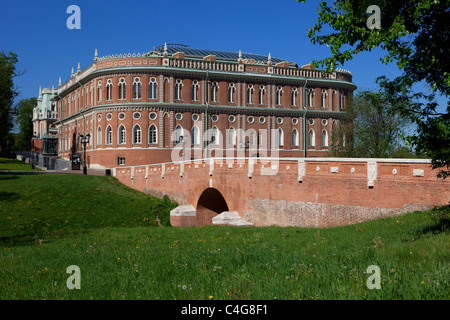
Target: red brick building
207	103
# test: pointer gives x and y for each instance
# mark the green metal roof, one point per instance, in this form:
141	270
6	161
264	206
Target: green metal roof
221	55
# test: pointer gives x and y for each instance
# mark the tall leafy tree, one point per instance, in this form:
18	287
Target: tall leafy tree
7	95
415	35
24	116
371	127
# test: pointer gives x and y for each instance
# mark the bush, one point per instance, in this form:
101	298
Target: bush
441	216
162	211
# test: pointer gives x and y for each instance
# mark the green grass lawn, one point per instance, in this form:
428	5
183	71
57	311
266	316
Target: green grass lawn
15	165
50	222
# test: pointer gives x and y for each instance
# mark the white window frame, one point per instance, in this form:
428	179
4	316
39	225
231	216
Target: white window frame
99	91
178	89
109	86
214	91
214	136
178	133
137	88
231	91
195	136
294	137
324	98
250	91
153	89
294	96
121	135
279	95
231	136
310	97
262	93
137	134
153	134
311	138
99	136
280	137
108	135
195	89
122	89
324	138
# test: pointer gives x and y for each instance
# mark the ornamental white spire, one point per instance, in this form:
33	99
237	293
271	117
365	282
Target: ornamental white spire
59	82
95	55
72	71
78	69
165	49
240	55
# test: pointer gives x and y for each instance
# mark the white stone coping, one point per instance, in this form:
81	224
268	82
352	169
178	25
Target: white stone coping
183	211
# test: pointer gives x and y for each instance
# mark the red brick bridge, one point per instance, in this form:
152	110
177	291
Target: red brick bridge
308	192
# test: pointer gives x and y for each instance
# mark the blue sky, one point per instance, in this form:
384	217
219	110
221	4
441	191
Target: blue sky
47	49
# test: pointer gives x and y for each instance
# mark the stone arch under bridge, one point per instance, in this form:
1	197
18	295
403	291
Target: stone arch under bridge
210	203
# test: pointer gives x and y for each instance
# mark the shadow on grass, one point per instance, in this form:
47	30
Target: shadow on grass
443	225
5	195
35	239
441	218
7	176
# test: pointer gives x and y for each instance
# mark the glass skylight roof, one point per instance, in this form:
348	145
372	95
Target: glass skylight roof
221	55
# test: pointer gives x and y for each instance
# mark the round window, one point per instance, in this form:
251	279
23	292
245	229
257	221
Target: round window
195	117
279	120
294	121
262	120
232	118
311	121
121	116
109	116
99	117
324	122
152	116
179	116
250	119
215	117
136	116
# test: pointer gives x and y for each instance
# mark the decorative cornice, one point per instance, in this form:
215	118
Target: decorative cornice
93	73
186	107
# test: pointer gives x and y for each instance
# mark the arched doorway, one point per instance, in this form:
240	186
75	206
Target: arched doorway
210	204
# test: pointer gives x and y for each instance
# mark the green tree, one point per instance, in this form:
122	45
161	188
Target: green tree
414	34
24	116
371	127
7	95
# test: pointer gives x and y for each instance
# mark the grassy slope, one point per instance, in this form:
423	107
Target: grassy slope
15	165
49	222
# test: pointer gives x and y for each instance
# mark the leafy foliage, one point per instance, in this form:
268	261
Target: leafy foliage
371	127
414	34
7	94
24	115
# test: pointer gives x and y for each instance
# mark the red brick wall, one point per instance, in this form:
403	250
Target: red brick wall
331	192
